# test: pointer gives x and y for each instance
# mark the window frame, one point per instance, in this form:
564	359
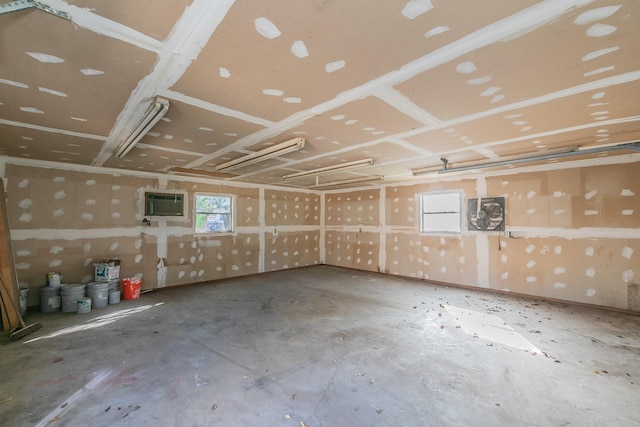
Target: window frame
457	213
232	208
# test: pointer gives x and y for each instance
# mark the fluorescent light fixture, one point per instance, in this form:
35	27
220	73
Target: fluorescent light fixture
426	170
358	180
13	6
329	169
504	161
154	113
201	172
259	156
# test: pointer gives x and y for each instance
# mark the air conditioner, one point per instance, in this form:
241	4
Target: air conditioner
163	204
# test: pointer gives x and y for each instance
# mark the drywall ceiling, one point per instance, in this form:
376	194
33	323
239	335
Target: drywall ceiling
402	82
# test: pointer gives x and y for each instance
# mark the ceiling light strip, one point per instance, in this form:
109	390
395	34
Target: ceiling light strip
359	180
154	113
562	153
330	169
200	172
259	156
506	160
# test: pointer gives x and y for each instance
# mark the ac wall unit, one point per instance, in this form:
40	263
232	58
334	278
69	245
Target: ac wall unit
163	204
486	214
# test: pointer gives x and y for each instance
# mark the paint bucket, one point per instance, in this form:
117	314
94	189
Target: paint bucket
53	280
24	294
131	288
70	295
84	305
49	299
114	285
99	294
114	297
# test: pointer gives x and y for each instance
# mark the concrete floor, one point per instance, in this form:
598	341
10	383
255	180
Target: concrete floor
324	346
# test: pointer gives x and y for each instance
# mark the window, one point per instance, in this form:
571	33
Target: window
440	212
213	213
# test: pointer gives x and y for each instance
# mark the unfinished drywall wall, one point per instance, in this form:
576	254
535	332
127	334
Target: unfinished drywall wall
285	208
64	221
450	259
353	249
45	198
351	229
401	203
246	199
360	208
576	231
590	270
291	249
193	259
603	196
444	257
292	221
576	234
197	257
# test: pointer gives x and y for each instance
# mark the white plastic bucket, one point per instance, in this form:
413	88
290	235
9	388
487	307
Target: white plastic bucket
70	295
53	279
99	294
50	299
114	285
84	305
114	297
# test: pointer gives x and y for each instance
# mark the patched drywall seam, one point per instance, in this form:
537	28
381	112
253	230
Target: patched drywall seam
161	242
323	251
162	255
262	232
482	242
382	256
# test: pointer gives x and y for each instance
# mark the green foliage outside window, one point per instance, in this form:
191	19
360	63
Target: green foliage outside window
213	214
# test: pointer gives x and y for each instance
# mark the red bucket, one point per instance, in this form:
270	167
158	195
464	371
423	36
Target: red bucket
131	288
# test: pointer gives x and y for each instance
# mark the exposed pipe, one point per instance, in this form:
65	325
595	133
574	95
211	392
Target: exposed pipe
632	146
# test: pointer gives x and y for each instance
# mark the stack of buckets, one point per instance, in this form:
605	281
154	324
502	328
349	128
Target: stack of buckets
80	298
50	298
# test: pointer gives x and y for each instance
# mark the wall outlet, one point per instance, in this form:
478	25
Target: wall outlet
509	234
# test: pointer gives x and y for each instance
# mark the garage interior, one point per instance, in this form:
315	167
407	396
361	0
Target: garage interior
335	284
